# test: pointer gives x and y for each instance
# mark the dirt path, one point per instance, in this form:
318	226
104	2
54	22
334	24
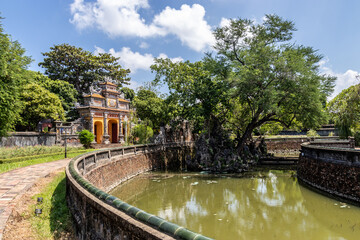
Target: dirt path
15	183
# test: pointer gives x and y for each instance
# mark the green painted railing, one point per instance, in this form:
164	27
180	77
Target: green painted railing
154	221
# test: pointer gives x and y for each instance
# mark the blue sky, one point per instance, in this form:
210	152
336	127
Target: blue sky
139	30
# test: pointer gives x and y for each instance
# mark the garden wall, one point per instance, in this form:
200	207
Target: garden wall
98	215
293	144
334	171
21	139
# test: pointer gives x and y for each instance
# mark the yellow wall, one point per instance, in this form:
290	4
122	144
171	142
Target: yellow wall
99	125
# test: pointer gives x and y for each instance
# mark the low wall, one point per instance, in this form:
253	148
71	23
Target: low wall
293	144
334	171
21	139
99	215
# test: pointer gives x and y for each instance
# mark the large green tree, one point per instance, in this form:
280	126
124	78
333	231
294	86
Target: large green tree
273	79
344	110
258	77
13	64
80	67
64	90
151	108
38	104
199	90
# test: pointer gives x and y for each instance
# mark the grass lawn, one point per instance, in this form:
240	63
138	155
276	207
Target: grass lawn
55	221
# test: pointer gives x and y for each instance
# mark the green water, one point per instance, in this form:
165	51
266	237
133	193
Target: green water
261	205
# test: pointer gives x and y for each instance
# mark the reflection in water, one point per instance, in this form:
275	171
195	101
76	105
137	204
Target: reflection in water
261	205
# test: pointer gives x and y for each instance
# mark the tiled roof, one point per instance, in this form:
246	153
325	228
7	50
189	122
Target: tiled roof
123	100
94	95
108	83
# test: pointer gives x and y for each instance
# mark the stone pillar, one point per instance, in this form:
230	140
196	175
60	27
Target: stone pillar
106	134
126	128
91	126
91	122
121	135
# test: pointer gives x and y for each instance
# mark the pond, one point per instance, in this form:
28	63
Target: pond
259	205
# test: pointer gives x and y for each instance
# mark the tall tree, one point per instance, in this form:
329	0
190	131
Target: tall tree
128	92
64	90
38	104
150	108
344	110
258	77
199	89
13	66
273	79
81	68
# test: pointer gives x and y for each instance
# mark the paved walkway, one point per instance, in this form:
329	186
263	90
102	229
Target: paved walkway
14	184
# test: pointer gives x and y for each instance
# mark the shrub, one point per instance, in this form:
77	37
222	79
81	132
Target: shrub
312	133
142	133
357	138
86	138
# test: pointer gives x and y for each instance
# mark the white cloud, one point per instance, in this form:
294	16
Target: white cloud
224	22
116	18
344	80
121	18
188	25
134	60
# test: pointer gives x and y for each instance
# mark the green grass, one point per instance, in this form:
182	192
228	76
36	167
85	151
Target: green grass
55	220
7	166
18	152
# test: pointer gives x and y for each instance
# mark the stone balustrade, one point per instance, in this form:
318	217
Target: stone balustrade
99	215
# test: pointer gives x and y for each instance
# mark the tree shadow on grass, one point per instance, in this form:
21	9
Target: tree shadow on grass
60	220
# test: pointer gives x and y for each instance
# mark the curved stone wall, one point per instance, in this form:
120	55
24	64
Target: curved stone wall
99	215
334	171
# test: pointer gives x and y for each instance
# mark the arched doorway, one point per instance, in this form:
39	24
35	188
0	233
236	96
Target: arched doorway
113	130
98	131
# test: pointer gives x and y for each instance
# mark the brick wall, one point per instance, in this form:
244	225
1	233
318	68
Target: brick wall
98	215
335	172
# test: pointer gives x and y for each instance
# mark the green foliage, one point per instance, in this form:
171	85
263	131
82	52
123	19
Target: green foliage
357	138
86	138
64	90
38	103
312	133
151	108
258	77
142	133
197	92
81	68
128	92
13	65
344	110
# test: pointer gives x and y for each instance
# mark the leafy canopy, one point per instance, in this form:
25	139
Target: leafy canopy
81	68
151	108
38	104
13	65
257	77
344	110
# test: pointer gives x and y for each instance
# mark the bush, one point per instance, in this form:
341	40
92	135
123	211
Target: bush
357	138
312	133
142	133
86	138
